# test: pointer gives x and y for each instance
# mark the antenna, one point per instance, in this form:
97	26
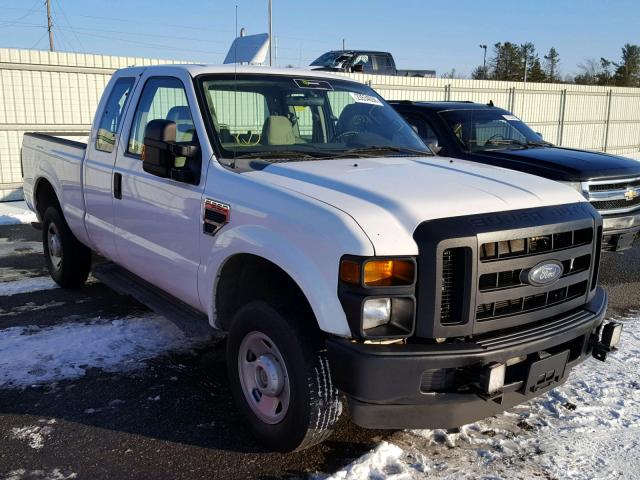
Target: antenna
235	96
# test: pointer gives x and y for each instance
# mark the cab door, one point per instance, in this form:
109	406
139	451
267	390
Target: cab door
158	220
98	167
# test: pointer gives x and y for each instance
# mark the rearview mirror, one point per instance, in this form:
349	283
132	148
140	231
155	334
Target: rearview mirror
160	152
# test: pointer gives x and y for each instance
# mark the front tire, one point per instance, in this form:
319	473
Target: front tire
68	260
280	378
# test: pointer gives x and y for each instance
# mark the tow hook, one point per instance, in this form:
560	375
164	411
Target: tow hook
608	342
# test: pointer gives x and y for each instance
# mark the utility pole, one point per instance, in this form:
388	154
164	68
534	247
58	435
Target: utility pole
484	61
50	25
270	33
526	58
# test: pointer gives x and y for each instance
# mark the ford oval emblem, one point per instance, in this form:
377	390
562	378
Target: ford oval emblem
544	273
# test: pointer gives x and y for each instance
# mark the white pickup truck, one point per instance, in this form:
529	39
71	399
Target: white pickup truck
298	213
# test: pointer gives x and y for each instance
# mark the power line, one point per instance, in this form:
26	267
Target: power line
31	10
64	15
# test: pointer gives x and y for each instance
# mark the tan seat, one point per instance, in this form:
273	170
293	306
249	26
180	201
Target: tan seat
277	130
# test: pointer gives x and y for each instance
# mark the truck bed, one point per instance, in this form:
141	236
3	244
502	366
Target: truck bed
57	160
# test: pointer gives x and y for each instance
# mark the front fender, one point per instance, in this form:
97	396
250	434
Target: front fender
314	268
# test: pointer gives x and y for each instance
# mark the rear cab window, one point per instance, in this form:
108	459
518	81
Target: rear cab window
112	114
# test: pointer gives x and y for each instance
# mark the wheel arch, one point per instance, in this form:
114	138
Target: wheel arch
244	277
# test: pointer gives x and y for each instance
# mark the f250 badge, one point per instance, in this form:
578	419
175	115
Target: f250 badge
543	274
215	216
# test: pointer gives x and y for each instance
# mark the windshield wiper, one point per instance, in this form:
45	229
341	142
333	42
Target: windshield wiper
505	141
284	155
373	151
539	144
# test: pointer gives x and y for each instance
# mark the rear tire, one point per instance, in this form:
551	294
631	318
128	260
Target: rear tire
68	260
280	378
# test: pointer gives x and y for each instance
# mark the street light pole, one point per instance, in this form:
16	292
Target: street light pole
484	61
270	33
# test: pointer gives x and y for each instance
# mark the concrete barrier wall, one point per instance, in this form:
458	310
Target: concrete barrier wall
59	92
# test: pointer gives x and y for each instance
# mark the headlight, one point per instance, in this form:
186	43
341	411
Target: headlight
376	312
378	296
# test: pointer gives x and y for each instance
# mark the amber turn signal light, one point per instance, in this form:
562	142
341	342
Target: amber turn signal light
378	273
350	272
388	273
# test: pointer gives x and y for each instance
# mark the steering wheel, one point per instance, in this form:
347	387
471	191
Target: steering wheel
497	136
347	133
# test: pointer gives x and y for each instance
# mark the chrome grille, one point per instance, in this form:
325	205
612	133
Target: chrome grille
614	196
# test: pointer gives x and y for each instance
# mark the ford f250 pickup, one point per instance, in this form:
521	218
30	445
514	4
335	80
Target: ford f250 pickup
488	134
297	212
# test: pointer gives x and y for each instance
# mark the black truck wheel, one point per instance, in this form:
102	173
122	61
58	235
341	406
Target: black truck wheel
280	379
68	260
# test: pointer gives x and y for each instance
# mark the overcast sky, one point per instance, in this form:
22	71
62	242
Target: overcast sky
420	34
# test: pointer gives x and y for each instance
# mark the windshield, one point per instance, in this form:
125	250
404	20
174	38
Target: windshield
490	129
290	118
330	59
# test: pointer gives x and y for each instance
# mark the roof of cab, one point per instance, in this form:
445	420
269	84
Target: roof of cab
442	106
202	69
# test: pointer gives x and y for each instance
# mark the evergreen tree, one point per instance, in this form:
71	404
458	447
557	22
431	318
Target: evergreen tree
535	72
627	72
551	65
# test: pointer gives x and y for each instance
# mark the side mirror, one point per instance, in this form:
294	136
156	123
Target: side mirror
540	135
160	152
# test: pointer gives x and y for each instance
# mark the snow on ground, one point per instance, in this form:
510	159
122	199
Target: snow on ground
588	428
26	285
33	355
13	213
34	435
53	474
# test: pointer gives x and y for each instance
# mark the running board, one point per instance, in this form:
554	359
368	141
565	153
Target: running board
192	322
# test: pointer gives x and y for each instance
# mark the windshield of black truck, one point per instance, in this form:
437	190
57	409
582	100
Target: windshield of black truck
290	118
490	130
330	59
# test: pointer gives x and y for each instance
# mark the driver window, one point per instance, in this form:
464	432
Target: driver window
365	61
162	98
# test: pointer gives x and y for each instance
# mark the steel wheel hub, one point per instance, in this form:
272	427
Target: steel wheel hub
55	246
263	377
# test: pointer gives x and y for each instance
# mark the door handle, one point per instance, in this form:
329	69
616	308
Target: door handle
117	185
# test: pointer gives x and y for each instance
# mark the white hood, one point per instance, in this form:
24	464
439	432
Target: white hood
389	197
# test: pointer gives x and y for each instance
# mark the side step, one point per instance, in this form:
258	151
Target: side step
186	318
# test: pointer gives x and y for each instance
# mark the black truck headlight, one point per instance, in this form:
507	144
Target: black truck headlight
378	296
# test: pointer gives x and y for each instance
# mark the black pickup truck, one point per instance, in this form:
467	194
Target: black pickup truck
364	61
487	134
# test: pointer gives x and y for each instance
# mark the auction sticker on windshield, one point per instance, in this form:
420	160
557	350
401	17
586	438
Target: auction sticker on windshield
363	98
313	84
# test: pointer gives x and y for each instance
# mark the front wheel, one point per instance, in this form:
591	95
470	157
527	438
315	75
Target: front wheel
68	260
280	379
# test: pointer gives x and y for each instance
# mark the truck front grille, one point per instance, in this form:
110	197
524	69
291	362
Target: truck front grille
489	311
475	272
614	196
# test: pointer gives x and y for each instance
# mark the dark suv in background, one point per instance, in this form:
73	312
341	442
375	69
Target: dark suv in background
491	135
